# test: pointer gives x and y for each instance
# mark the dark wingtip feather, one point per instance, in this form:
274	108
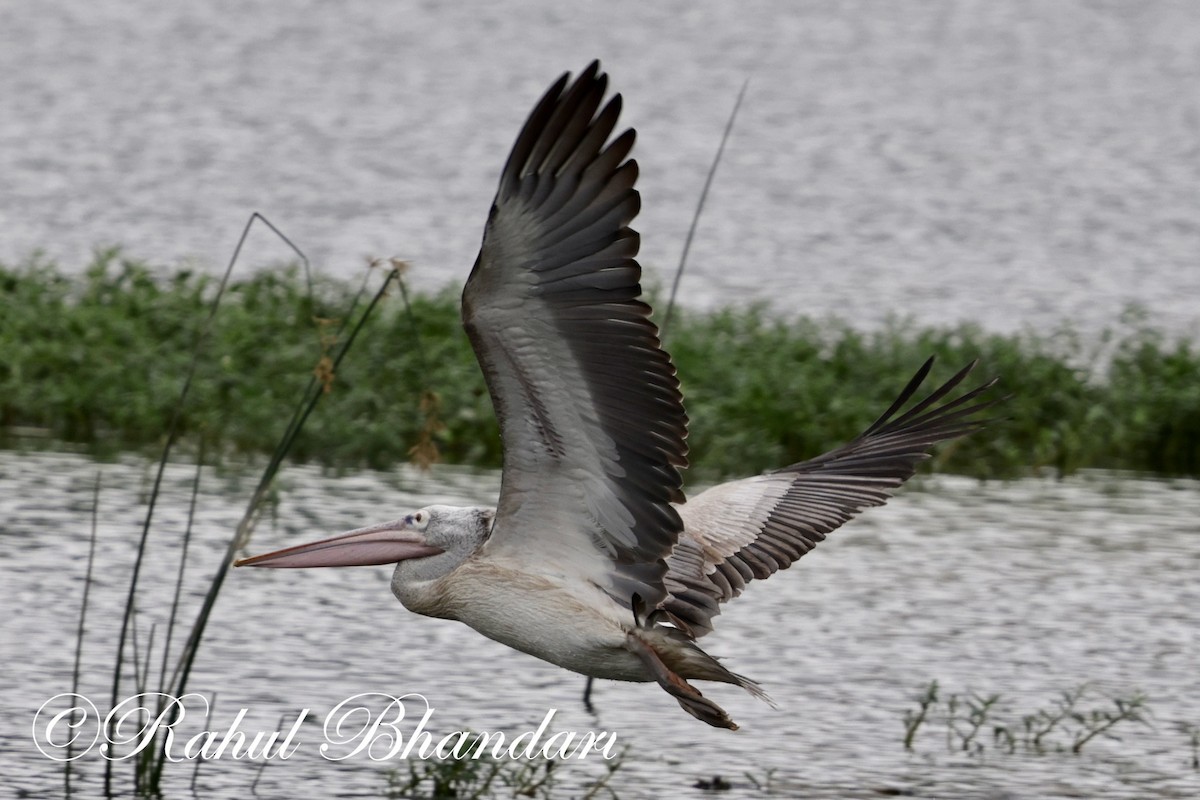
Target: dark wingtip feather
547	107
899	442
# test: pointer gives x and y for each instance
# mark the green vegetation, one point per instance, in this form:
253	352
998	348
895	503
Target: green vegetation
98	360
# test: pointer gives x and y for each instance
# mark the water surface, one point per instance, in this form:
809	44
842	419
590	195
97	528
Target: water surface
1025	589
1013	164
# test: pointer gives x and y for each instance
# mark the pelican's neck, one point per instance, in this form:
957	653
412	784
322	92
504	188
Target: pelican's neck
425	585
432	598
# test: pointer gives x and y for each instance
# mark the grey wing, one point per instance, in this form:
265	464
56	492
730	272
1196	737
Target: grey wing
748	529
589	407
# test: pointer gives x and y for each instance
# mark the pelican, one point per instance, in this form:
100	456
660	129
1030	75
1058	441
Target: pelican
592	560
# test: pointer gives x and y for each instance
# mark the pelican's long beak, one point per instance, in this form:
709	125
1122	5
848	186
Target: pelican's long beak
379	544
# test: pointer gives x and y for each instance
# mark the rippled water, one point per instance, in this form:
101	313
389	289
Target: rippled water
1025	589
1015	164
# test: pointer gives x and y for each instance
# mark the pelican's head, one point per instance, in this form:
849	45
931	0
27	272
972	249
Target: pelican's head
425	544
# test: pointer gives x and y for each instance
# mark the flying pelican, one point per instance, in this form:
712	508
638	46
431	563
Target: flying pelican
592	560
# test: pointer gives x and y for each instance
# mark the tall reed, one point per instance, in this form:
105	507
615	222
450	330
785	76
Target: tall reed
335	337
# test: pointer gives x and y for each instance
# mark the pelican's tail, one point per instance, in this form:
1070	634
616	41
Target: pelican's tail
693	662
754	689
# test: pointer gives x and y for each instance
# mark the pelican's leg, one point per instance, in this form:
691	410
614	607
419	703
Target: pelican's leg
587	696
688	696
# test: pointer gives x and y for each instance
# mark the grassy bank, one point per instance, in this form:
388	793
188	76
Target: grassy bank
98	360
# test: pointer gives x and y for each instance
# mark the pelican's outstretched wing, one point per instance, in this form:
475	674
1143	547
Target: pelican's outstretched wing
742	530
589	407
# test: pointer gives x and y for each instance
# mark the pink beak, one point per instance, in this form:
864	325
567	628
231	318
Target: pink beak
379	544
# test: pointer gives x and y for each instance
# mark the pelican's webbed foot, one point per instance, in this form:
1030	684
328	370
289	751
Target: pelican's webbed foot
688	696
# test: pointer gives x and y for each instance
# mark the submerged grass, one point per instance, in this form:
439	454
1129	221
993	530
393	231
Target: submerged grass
96	360
1066	725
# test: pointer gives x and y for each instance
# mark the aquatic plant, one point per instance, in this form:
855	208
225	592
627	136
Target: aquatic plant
1063	726
468	778
913	720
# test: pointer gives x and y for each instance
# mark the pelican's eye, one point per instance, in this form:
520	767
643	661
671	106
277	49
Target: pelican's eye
417	520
